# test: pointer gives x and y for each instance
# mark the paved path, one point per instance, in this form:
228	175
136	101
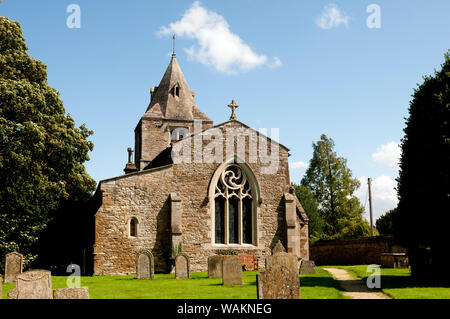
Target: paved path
354	288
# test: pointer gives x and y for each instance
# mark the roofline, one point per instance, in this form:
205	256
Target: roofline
215	126
151	170
144	117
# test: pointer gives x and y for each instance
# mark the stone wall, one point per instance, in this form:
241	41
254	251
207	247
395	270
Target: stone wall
357	251
145	196
152	136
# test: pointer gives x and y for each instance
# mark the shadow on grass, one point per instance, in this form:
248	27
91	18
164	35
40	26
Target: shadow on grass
395	282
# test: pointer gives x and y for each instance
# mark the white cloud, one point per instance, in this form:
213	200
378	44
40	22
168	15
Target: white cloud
216	45
332	17
384	195
276	63
299	164
388	154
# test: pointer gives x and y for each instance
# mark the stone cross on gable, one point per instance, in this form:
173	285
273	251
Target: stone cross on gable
233	107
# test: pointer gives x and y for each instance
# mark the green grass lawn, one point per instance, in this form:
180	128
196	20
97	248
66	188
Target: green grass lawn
165	286
398	284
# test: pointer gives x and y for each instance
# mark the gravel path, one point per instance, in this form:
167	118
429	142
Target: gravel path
354	288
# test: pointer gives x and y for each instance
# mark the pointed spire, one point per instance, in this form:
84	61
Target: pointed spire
173	99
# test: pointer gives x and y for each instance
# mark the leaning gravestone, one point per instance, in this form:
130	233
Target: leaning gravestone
232	271
13	267
145	265
307	267
71	293
34	284
279	248
182	266
215	266
280	279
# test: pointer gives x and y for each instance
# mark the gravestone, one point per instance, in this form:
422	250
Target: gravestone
286	259
278	248
182	267
145	265
13	267
232	271
71	293
215	266
307	267
280	279
34	284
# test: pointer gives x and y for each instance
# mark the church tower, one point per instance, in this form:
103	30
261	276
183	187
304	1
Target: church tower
169	117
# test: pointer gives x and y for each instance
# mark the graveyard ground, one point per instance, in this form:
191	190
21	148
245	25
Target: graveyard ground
398	284
165	286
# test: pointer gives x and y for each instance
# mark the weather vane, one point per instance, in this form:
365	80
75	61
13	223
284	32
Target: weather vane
173	47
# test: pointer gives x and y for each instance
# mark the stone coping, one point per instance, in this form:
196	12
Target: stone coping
147	171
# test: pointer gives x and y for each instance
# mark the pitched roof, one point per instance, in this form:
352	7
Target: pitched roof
232	121
173	99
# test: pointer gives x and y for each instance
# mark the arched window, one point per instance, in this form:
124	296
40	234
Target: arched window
176	90
133	227
233	207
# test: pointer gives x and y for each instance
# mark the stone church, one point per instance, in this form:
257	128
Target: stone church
220	194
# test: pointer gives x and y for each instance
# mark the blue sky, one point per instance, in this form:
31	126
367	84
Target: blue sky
286	70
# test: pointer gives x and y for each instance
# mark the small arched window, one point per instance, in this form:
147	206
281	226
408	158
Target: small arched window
133	227
176	90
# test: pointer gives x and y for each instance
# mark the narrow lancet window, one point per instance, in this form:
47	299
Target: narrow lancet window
220	220
133	227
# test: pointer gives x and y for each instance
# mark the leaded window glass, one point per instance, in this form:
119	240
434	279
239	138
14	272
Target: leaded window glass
233	204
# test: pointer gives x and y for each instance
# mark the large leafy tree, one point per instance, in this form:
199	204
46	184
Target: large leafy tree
424	179
333	186
41	151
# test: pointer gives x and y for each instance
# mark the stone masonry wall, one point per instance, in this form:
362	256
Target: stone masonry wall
152	136
357	251
145	196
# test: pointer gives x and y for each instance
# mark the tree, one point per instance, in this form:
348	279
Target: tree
311	206
424	179
41	151
333	186
385	223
